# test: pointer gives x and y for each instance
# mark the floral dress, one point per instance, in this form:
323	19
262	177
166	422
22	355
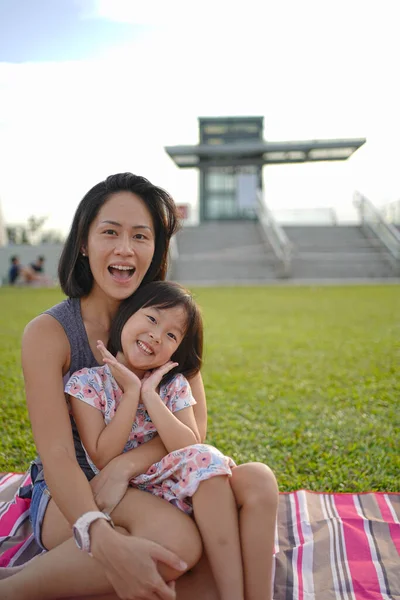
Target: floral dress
177	476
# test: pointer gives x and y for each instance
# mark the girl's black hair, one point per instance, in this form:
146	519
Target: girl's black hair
75	275
165	294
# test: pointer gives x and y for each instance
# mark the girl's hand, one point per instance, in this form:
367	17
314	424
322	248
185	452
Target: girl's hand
151	379
126	380
109	486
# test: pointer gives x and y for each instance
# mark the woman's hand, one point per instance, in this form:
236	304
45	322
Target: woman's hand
110	485
126	380
152	379
130	564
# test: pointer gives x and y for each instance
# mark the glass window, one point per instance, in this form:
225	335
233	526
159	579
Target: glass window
220	180
211	129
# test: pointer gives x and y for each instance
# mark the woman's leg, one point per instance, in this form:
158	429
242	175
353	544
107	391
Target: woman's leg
216	516
256	492
65	571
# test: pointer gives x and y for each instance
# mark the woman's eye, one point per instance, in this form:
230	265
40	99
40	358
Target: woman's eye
139	236
110	232
172	336
152	319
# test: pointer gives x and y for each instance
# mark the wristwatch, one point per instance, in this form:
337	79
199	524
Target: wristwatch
80	530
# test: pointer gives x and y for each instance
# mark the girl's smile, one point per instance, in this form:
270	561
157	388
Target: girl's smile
151	336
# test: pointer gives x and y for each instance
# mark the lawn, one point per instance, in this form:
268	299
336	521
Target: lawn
305	379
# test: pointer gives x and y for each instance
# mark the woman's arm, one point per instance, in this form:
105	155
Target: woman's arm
104	442
200	408
45	357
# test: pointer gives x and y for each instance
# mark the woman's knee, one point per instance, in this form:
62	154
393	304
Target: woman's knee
254	484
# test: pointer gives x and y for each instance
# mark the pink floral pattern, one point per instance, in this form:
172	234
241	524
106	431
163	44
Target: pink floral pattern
177	476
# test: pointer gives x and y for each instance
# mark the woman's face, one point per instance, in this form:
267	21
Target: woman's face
120	245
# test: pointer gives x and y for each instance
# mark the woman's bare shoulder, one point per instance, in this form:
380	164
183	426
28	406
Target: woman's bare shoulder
45	337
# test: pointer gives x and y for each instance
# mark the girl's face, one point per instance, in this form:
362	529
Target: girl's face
152	335
120	245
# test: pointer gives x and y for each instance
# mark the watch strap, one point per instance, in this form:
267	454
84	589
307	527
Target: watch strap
82	527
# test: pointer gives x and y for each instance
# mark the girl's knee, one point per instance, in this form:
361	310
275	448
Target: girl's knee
254	484
263	487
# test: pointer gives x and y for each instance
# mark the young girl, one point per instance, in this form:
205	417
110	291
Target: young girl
156	338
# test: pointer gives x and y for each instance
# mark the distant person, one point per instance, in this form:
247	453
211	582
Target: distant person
38	265
15	270
31	275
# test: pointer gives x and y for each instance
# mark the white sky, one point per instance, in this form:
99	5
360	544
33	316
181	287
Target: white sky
313	69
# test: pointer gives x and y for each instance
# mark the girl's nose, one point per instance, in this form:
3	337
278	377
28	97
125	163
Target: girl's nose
155	336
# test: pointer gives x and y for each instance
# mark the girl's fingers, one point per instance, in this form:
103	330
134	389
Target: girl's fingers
103	349
168	366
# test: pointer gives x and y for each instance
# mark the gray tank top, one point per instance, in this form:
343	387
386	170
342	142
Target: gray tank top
68	314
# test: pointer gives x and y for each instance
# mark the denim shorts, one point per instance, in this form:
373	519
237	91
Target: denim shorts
40	499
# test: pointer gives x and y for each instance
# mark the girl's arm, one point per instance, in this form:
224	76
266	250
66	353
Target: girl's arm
139	460
177	430
110	484
200	408
104	442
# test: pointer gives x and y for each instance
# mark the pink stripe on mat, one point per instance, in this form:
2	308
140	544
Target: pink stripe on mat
363	573
389	516
300	537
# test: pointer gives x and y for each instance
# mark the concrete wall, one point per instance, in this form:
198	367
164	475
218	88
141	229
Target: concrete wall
27	254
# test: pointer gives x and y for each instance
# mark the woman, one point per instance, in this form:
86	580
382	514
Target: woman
118	240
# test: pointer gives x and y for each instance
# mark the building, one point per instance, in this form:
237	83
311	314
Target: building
231	154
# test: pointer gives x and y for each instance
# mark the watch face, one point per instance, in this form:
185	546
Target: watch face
77	537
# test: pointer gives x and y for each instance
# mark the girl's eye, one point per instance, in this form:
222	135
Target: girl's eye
172	336
152	319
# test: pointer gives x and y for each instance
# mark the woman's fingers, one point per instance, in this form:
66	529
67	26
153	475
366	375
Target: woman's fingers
161	554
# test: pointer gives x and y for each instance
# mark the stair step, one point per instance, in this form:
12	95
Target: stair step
222	252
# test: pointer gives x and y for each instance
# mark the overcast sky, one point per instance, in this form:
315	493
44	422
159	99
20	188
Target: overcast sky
93	87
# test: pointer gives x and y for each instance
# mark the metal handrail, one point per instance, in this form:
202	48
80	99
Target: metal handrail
391	212
275	235
372	218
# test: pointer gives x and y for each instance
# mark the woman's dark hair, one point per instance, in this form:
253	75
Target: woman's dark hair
165	294
74	272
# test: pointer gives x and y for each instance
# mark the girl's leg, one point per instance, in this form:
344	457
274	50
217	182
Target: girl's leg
65	571
216	516
256	492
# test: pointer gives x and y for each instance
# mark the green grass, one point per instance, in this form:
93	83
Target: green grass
304	379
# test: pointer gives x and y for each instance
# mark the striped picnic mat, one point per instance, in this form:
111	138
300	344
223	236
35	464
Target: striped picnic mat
327	546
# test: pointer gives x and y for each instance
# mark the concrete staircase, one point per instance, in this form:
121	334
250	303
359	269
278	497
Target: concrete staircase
337	252
234	253
223	252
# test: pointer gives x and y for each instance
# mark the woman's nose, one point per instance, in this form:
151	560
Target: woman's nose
124	246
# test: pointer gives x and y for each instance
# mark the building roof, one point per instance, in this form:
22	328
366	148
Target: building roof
255	152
